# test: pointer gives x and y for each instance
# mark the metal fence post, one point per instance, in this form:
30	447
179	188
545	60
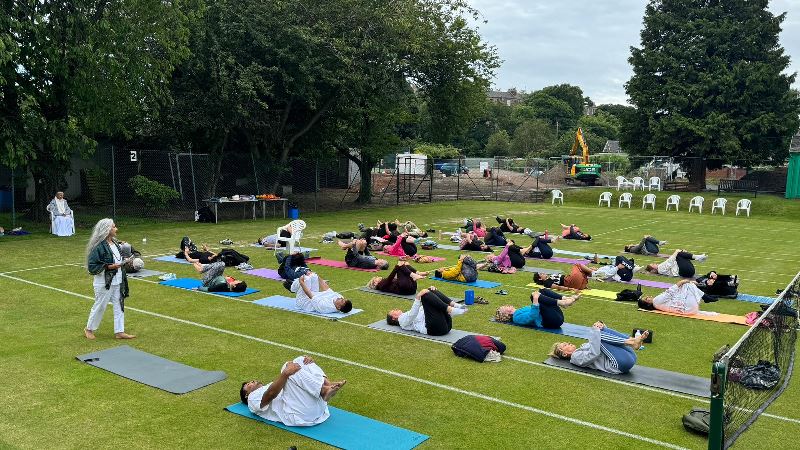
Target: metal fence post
458	180
397	172
194	186
113	185
13	201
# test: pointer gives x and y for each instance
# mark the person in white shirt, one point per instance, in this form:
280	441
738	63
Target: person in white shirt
684	297
63	221
314	295
679	264
298	397
430	314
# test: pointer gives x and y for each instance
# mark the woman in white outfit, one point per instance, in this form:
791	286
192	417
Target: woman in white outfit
63	220
104	261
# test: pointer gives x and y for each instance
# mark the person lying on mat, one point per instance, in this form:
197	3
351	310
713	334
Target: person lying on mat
679	264
684	297
465	270
358	255
720	285
205	256
298	397
213	275
621	270
573	232
271	241
508	261
578	279
404	245
476	227
607	350
540	247
385	231
401	280
430	314
471	242
543	312
314	295
647	246
291	267
507	225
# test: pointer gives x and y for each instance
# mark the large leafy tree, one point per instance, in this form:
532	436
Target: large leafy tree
72	71
709	80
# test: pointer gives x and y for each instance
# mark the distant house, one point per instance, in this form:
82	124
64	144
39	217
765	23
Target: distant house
589	110
794	147
508	98
612	147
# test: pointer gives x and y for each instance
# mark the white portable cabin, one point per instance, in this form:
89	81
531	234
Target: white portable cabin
411	164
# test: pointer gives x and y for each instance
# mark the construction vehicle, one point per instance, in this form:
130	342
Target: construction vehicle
578	168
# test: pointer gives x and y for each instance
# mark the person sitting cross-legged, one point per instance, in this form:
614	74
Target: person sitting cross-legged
298	397
314	295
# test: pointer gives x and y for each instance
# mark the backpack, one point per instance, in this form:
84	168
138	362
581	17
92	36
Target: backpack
698	420
630	295
205	215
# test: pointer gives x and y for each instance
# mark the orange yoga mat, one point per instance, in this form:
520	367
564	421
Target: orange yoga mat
723	318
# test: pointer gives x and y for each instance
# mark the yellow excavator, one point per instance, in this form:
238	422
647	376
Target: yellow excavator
578	168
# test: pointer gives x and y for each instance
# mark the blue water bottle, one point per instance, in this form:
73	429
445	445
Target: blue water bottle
469	297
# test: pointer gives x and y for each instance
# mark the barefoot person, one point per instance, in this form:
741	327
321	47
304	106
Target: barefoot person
402	280
607	350
679	264
430	314
314	295
214	278
684	297
104	261
297	398
543	312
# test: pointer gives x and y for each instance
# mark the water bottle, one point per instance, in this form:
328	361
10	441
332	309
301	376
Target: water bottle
144	241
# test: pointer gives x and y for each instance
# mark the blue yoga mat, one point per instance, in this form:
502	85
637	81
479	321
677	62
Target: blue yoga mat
573	253
191	283
344	429
567	329
478	283
755	299
172	259
289	304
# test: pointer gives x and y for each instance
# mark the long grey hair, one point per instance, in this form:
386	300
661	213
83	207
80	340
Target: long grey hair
99	234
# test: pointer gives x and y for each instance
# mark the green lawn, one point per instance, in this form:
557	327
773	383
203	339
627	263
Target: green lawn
51	400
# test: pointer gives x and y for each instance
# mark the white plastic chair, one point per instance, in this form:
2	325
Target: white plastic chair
296	228
605	197
698	202
638	182
625	198
649	199
557	195
655	182
53	220
743	204
673	200
719	203
623	182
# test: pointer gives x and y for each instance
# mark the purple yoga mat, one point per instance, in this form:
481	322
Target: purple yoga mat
270	274
337	264
655	284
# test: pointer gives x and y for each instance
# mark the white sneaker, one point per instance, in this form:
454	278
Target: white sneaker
701	258
493	356
636	268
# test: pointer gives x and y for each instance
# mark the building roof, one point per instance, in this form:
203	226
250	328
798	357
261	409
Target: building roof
794	147
612	147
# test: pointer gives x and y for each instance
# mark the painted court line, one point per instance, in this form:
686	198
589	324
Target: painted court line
381	370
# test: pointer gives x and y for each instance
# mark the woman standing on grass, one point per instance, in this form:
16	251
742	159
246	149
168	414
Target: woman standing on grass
104	261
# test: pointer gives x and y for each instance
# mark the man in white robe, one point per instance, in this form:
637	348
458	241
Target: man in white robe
62	220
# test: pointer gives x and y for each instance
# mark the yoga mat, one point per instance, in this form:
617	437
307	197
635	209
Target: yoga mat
455	247
722	318
290	304
567	260
648	376
755	299
600	293
567	329
299	249
478	283
142	273
151	370
191	283
172	259
337	264
270	274
573	253
344	429
660	255
450	337
433	258
407	297
655	284
540	270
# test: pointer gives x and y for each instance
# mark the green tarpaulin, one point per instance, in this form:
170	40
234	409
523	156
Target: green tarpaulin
793	176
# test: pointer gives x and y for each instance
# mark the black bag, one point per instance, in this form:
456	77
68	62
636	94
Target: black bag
698	420
629	295
205	215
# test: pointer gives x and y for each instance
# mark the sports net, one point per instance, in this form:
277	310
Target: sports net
756	370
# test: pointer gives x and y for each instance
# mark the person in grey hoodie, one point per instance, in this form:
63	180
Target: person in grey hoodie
607	350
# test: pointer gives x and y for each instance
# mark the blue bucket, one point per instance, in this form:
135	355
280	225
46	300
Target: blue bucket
294	213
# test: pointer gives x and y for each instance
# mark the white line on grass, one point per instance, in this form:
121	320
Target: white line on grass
39	268
380	370
626	228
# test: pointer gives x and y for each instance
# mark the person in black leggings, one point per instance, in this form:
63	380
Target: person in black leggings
679	264
432	312
495	237
721	285
515	255
539	248
402	280
647	246
543	312
471	242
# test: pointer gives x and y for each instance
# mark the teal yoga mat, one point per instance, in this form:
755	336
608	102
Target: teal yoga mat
479	283
289	304
347	430
191	283
755	299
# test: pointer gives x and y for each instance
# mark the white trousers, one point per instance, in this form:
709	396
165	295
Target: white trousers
63	226
302	404
101	298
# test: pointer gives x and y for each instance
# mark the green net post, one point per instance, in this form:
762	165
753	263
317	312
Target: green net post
716	435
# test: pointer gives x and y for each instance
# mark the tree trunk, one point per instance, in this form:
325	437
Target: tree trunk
365	191
218	167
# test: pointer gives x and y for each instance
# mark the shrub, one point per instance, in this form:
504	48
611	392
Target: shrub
437	151
154	194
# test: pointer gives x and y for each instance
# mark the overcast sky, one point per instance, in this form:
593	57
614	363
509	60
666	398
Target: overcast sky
583	42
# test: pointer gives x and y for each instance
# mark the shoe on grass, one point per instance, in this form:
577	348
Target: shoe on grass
701	258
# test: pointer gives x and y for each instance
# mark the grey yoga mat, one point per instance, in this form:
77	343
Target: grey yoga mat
152	370
450	337
142	273
648	376
407	297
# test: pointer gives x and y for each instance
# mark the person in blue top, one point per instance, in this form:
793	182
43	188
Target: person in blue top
607	350
543	312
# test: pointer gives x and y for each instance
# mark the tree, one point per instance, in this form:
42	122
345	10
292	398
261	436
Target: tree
532	138
71	71
499	144
569	94
553	110
601	125
709	81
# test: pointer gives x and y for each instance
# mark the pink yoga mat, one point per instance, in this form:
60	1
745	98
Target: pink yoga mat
270	274
433	258
337	264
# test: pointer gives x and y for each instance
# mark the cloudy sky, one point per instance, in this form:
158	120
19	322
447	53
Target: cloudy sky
582	42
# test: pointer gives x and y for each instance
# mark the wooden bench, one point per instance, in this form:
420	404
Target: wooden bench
738	186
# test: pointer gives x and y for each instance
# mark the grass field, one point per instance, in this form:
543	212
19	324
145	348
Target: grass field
51	400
